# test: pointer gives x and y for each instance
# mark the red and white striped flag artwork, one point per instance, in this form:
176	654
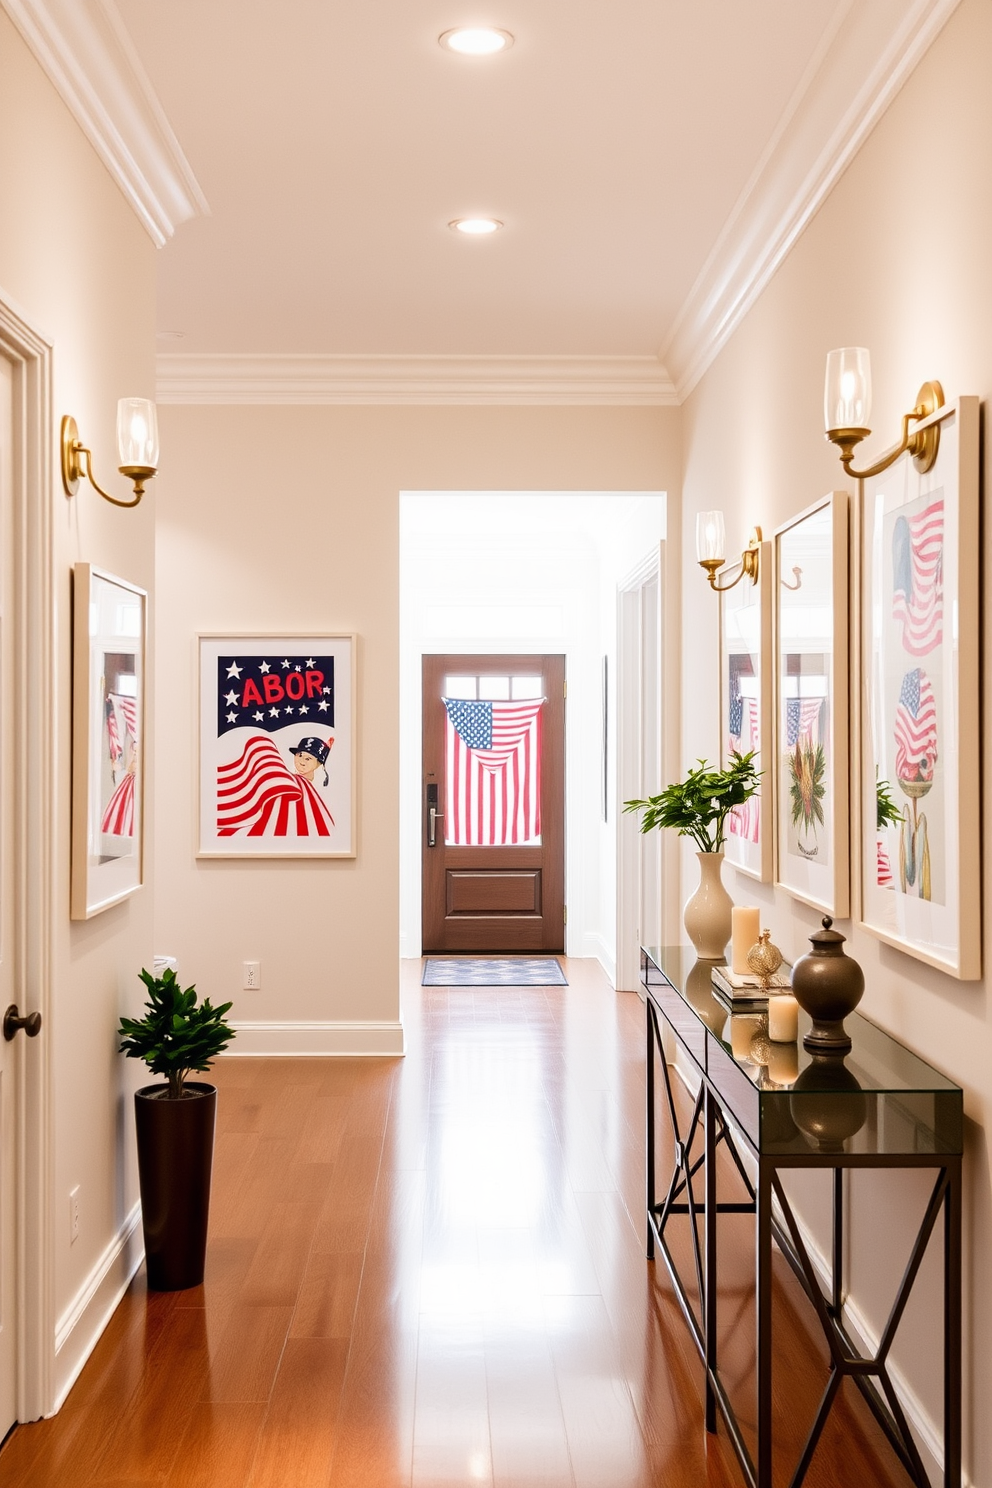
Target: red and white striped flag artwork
259	796
918	579
118	816
492	755
915	729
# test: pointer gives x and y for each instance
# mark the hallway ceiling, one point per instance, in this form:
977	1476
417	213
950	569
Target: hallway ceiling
334	142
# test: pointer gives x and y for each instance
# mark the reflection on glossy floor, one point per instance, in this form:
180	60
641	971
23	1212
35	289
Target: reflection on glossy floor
431	1271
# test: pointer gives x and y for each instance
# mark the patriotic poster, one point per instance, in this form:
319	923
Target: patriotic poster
108	739
745	698
492	768
811	722
277	749
920	788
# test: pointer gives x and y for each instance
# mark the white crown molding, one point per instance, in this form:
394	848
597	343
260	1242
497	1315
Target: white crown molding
865	55
85	50
348	380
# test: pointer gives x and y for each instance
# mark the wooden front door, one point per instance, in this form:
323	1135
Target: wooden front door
494	803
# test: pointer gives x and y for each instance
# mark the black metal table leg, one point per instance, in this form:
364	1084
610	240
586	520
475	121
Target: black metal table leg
709	1150
952	1326
763	1463
837	1257
649	1021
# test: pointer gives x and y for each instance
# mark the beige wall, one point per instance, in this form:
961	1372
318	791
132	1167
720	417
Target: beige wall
897	261
76	264
288	519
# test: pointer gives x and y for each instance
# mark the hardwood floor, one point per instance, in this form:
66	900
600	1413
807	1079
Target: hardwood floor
430	1271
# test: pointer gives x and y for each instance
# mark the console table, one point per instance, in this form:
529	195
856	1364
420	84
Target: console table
775	1107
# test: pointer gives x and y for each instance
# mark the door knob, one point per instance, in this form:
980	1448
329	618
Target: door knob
12	1021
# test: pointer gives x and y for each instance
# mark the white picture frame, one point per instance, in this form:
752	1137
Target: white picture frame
747	715
108	740
812	737
920	719
277	749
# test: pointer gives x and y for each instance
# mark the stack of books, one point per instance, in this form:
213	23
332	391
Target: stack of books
738	990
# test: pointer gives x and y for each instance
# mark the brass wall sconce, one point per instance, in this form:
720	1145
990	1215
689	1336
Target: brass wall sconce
711	543
137	445
847	408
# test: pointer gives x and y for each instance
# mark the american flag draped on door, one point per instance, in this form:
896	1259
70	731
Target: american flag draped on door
492	753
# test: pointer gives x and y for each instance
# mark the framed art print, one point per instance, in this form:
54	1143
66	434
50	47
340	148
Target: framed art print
920	711
746	668
812	751
277	746
108	682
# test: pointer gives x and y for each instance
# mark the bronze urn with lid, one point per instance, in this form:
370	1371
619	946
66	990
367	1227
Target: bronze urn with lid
827	984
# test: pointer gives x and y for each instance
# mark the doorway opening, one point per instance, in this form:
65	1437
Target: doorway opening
525	573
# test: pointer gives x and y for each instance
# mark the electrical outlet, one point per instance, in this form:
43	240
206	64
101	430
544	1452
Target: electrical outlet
252	977
74	1214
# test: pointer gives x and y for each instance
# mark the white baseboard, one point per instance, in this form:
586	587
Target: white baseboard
79	1328
593	944
317	1040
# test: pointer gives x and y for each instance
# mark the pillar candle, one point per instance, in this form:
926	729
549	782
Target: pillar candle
783	1063
745	928
783	1018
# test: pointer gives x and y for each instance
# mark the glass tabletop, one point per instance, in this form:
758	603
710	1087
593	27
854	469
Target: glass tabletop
878	1097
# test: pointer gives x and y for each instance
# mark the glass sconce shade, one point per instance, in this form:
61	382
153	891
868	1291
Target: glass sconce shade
847	389
137	434
711	538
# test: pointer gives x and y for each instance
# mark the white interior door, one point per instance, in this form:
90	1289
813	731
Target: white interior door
9	1052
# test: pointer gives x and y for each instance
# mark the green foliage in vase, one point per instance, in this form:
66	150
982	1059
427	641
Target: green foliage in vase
177	1035
807	767
699	805
887	812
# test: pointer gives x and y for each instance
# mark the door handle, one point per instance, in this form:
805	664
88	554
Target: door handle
12	1021
433	817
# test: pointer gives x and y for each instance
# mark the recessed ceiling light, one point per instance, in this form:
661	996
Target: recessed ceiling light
475	227
476	41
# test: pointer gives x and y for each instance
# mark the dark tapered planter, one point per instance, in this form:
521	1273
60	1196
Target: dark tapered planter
175	1156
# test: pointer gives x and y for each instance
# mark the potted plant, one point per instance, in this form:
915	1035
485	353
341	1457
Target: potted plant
174	1124
887	814
698	807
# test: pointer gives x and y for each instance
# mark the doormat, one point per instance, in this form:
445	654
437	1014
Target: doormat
493	971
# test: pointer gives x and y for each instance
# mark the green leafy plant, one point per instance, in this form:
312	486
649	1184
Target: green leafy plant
178	1035
807	767
699	805
886	811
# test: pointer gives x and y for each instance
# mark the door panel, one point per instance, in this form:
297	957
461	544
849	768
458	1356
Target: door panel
9	1052
494	774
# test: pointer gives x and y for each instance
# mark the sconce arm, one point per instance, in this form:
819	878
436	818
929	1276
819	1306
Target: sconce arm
923	445
75	456
711	572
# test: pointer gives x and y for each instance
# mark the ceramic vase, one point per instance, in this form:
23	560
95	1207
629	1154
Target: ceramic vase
707	912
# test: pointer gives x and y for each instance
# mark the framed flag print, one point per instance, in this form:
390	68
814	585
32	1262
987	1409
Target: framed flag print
920	712
746	713
108	732
812	745
277	746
